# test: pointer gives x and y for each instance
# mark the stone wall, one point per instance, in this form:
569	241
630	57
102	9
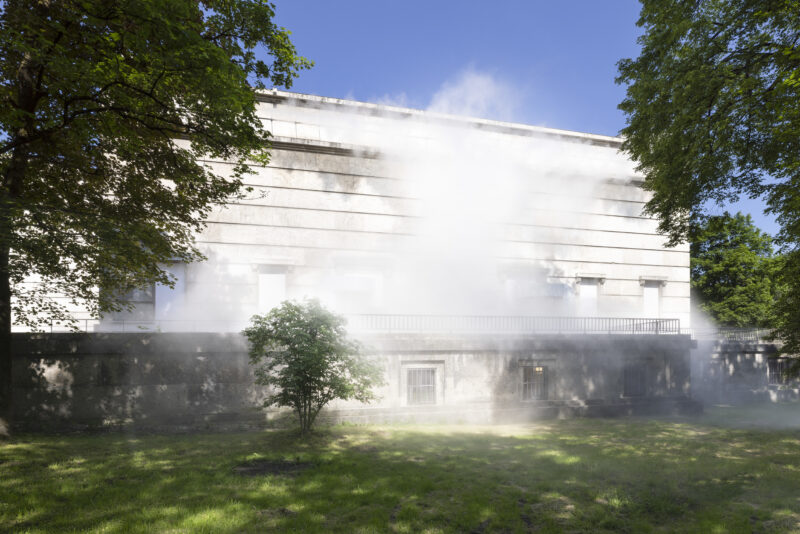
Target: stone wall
152	380
203	381
736	372
481	377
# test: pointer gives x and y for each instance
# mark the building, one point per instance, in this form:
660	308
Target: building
497	265
740	366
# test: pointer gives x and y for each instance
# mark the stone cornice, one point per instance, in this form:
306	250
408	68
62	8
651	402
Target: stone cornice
322	147
365	108
295	144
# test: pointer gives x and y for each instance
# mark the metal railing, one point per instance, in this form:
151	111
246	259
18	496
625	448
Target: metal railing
382	323
511	324
96	325
740	335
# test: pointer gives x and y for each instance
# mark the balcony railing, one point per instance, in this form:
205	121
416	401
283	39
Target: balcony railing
95	325
415	324
512	324
740	335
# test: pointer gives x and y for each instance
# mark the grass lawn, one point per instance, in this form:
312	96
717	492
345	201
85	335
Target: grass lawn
583	475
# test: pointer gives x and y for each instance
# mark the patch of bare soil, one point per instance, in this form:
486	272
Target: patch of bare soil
258	468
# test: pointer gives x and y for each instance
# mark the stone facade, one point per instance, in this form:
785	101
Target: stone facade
202	381
384	210
395	216
740	371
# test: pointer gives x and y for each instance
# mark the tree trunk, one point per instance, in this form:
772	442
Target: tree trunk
314	412
305	429
10	192
6	407
302	412
9	196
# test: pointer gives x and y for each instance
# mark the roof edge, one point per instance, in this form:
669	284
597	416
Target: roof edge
314	101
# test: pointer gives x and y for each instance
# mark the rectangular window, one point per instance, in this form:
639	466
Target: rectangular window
421	384
634	379
776	371
143	305
169	301
534	382
651	294
587	297
271	287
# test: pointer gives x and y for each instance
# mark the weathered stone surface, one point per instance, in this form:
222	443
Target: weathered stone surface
203	381
737	372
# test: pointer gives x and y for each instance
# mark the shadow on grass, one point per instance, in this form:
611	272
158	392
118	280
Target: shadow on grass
584	475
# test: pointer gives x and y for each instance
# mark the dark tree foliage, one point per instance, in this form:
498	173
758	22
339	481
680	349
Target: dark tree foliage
733	271
713	113
108	107
301	352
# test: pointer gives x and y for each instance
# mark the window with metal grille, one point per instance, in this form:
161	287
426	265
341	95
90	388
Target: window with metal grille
776	370
421	385
534	382
634	379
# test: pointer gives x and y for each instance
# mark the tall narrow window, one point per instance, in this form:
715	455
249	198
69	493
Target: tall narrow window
587	296
169	300
534	382
421	384
271	286
651	296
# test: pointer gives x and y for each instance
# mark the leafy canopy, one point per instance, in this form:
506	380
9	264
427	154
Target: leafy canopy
713	113
713	107
302	353
109	109
734	271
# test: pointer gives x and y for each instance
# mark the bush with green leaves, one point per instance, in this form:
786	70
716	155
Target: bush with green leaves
735	276
302	353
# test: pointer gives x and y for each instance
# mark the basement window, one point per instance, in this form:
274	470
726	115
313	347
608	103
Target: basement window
776	371
421	386
634	379
534	382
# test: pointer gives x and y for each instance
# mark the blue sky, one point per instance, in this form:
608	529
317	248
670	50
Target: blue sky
557	60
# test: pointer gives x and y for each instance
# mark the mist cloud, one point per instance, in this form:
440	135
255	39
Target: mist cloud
477	94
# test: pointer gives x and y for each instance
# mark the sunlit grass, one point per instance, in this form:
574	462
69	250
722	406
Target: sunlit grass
583	475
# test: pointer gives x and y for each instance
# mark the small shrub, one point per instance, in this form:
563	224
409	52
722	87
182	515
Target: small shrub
301	351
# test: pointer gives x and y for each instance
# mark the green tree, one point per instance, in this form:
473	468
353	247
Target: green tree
733	271
301	352
713	112
108	107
